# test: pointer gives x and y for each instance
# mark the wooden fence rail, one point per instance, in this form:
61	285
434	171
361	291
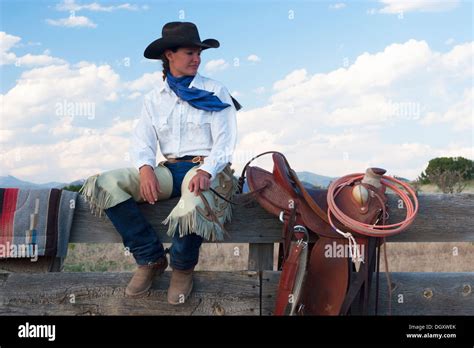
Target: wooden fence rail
442	218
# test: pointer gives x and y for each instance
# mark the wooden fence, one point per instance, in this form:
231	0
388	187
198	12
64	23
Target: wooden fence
41	288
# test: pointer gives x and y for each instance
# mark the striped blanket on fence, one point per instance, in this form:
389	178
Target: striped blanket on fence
35	222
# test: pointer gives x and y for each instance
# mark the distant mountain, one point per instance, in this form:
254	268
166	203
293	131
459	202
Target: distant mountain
315	179
13	182
77	182
307	178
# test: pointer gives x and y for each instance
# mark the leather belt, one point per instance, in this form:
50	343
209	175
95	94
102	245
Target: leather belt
195	159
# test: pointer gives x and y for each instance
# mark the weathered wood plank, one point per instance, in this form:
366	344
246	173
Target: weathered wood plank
442	218
428	294
261	257
215	293
41	265
420	293
249	225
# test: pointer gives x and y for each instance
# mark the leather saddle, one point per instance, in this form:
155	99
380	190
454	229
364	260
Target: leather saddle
325	284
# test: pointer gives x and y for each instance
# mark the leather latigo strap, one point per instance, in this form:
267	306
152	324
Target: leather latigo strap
274	199
287	179
287	279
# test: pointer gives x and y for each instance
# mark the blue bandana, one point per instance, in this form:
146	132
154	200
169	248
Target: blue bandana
198	98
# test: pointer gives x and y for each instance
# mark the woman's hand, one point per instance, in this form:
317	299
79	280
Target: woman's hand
149	185
200	182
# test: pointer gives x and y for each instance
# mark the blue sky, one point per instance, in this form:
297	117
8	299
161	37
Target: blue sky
320	53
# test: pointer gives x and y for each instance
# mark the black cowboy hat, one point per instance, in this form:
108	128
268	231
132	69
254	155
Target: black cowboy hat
177	34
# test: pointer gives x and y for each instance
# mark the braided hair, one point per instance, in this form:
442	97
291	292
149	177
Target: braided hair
166	62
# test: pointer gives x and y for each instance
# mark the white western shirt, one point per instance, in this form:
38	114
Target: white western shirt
184	130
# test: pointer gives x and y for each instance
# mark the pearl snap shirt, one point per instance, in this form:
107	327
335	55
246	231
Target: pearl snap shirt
183	130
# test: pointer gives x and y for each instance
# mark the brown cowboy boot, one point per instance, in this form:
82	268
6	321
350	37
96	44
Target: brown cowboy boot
181	285
143	277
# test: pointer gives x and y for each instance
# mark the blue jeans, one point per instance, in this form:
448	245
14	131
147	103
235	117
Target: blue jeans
142	240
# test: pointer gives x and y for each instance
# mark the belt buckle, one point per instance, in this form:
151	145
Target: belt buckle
197	159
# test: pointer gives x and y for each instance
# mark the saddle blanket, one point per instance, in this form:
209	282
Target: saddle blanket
35	222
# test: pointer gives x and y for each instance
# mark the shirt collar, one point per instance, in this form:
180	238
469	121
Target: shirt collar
196	82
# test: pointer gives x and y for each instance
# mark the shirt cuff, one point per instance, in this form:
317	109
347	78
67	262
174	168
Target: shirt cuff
205	171
209	169
140	164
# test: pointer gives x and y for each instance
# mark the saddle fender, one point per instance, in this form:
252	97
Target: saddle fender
327	279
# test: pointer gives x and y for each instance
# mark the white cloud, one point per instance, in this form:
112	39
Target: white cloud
113	96
35	60
147	82
460	115
404	6
82	21
459	59
28	44
253	58
63	127
6	135
134	95
71	5
337	6
363	92
449	41
29	171
336	154
7	42
216	65
39	128
80	156
72	21
331	123
43	137
350	118
294	78
455	150
43	98
38	92
121	127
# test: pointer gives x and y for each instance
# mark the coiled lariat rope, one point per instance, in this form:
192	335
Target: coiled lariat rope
372	230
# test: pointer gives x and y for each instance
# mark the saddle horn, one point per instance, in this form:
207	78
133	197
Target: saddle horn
360	193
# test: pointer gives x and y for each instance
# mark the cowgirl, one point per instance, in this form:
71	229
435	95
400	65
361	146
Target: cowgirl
193	118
